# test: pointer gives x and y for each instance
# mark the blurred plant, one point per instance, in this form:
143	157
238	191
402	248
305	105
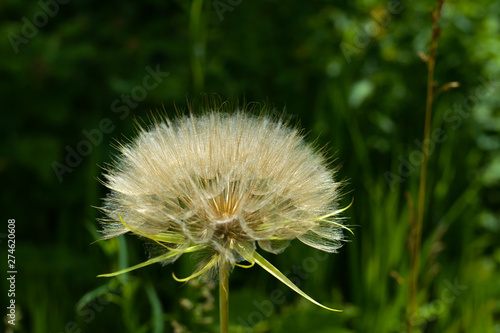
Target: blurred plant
415	240
200	311
198	36
218	183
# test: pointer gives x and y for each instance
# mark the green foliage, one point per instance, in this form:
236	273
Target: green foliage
349	71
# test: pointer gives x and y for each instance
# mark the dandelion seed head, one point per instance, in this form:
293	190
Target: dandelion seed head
220	179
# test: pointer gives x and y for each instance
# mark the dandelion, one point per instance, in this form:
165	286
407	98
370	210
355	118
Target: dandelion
221	183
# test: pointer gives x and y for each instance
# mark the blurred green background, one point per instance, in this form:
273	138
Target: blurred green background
75	74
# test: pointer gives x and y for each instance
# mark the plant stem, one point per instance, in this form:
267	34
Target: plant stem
198	41
224	297
416	244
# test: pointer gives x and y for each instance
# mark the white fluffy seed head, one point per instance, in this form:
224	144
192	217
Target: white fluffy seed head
222	178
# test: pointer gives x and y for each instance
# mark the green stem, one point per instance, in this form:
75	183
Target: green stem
416	248
198	41
224	296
